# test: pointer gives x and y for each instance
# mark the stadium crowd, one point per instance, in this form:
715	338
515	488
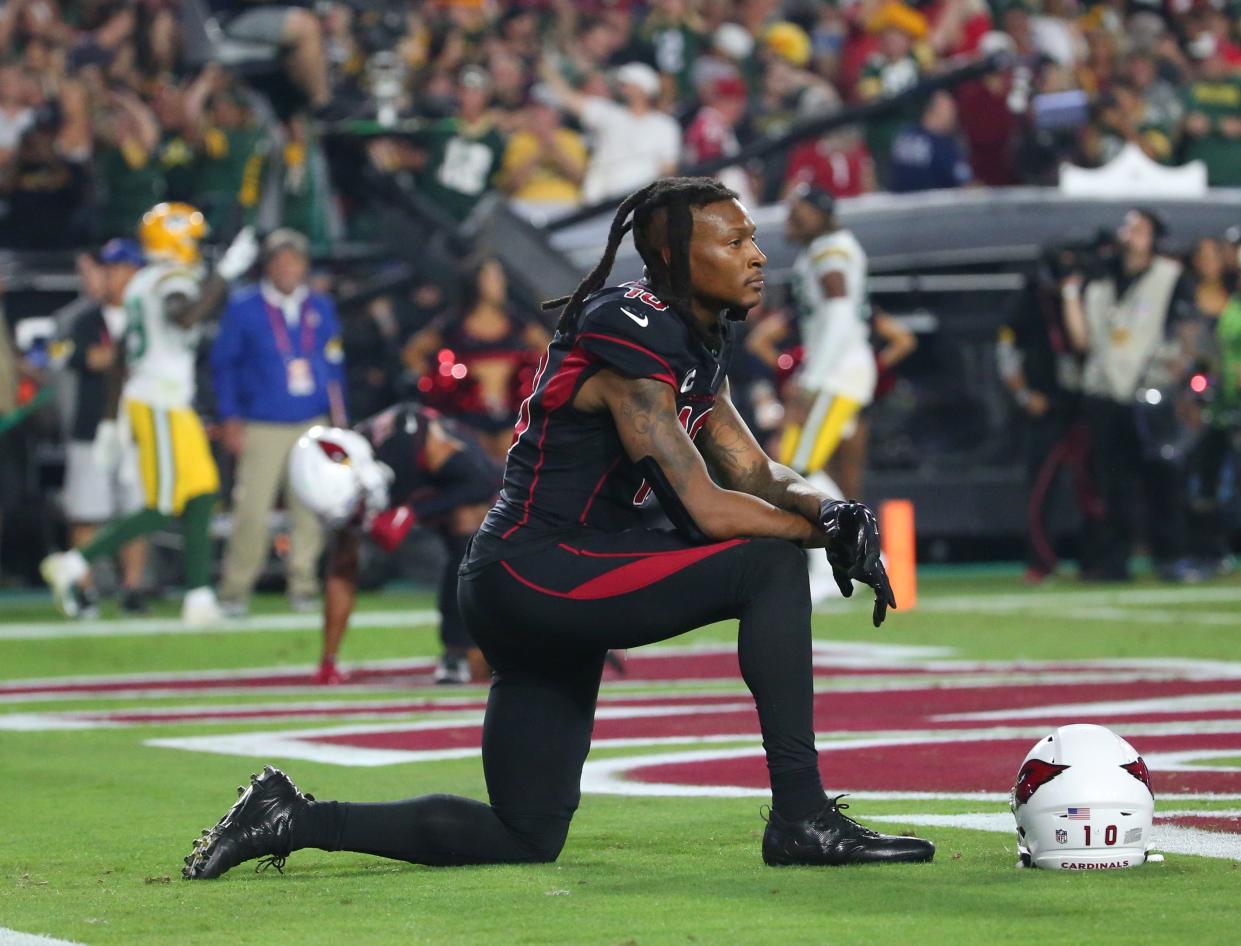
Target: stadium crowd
108	106
106	110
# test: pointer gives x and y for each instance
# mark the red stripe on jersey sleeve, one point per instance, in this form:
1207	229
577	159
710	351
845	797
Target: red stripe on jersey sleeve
668	376
560	386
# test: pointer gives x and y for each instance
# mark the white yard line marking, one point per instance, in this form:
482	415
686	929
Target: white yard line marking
14	938
1198	703
143	627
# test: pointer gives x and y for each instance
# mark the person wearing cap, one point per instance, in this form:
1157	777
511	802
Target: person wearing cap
896	66
632	143
95	493
461	155
278	369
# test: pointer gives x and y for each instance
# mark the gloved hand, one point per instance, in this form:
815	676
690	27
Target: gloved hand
853	551
239	256
107	447
389	528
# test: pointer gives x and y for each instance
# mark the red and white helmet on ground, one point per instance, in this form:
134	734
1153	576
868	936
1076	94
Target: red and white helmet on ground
335	473
1083	801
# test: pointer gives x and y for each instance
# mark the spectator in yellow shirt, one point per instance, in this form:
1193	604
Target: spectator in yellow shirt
544	163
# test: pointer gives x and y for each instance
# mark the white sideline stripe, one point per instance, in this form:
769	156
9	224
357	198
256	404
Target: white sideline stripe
14	938
1120	597
700	686
606	776
615	690
1115	605
143	627
1167	838
825	654
240	673
873	654
1204	702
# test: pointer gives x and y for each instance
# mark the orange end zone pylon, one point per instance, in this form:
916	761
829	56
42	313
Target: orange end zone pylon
896	526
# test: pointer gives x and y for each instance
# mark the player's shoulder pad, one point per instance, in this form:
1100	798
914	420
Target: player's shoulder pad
175	280
631	330
839	245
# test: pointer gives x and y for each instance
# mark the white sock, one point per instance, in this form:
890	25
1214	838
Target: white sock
76	567
201	595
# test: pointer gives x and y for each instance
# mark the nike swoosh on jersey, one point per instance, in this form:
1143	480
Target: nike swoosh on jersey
689	380
642	320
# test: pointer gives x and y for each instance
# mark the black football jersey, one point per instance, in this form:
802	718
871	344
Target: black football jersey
398	437
567	468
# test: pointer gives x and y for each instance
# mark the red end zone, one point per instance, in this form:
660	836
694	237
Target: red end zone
889	724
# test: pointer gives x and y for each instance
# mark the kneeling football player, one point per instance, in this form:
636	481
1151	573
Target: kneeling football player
403	467
630	408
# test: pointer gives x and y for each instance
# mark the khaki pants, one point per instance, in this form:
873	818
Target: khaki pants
261	474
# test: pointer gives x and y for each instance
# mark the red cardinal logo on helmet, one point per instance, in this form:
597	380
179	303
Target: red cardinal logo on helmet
1137	768
334	451
1034	775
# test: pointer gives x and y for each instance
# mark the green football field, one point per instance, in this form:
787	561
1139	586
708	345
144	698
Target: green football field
121	740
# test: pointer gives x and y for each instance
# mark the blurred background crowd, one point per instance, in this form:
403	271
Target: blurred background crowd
329	117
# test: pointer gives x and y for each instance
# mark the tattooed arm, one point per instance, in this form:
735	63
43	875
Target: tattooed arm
645	413
740	464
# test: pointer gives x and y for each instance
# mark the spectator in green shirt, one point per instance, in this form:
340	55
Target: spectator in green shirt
896	66
232	151
127	165
463	153
1211	129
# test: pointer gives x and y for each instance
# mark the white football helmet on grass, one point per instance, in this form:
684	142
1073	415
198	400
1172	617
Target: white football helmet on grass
335	473
1083	801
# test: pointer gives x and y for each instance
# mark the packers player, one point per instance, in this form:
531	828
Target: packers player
165	303
837	377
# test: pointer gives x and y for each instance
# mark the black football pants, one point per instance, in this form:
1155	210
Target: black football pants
545	620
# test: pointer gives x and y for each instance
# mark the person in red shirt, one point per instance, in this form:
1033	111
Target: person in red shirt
838	163
713	131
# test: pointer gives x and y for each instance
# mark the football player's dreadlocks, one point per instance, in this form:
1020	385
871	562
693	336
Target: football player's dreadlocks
662	218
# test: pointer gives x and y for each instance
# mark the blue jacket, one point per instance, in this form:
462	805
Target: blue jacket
924	161
249	361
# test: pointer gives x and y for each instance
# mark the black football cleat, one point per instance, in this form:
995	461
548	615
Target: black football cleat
260	824
831	839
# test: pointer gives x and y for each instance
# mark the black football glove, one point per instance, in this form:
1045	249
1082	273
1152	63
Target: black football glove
853	551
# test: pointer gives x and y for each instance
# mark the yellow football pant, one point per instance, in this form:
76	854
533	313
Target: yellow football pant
174	458
807	448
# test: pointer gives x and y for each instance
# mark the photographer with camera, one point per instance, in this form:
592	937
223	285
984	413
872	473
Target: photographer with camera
1133	320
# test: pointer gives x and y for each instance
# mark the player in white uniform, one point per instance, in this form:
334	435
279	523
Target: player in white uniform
165	302
837	376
